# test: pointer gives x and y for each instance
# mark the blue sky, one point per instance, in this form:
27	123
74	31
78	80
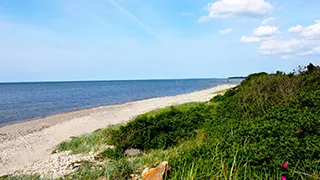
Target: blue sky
137	39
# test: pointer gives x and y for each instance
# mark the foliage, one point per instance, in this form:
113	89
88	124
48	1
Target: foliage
164	129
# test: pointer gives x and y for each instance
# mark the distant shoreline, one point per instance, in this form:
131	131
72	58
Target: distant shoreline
237	77
27	142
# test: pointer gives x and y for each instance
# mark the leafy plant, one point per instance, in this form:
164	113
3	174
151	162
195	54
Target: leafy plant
162	130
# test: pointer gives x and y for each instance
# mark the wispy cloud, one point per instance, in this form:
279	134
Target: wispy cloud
267	21
137	20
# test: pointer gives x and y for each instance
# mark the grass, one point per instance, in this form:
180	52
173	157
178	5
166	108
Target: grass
23	177
86	143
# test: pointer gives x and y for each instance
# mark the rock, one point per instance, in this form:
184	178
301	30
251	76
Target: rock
157	173
132	152
56	165
59	164
75	165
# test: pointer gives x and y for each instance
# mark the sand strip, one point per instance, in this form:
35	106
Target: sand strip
25	143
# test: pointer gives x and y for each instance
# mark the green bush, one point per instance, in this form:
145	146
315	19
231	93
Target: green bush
162	130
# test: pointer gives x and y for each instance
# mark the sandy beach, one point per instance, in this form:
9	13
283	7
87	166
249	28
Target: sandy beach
25	143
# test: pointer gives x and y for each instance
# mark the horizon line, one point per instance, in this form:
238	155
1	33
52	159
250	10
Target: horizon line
66	81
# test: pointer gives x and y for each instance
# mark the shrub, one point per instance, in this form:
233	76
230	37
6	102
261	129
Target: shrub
162	130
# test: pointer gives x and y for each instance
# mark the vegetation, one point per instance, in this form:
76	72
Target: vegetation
266	121
87	143
24	177
253	131
162	129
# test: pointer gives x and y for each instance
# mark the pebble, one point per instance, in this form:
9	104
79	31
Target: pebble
57	165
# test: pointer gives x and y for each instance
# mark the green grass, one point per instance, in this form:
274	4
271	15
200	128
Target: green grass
87	143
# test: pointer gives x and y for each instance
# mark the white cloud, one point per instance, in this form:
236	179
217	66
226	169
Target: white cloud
228	8
281	46
267	21
250	39
265	31
290	48
261	33
312	31
297	28
271	44
226	31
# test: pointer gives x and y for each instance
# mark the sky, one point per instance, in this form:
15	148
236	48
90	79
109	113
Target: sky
66	40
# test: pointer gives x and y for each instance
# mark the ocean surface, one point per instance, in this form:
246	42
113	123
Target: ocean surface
24	101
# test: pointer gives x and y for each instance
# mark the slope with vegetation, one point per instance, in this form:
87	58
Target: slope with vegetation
250	132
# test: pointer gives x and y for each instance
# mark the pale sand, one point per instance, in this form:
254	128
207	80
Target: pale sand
25	143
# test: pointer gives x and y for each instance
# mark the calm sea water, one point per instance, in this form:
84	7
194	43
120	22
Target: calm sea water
22	101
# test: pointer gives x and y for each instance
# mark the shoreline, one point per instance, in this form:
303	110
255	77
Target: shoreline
27	142
93	107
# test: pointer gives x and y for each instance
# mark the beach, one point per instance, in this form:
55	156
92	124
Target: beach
25	143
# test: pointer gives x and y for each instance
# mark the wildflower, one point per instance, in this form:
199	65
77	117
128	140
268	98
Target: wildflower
264	116
283	178
285	165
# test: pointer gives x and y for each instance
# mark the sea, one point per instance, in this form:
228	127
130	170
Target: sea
25	101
